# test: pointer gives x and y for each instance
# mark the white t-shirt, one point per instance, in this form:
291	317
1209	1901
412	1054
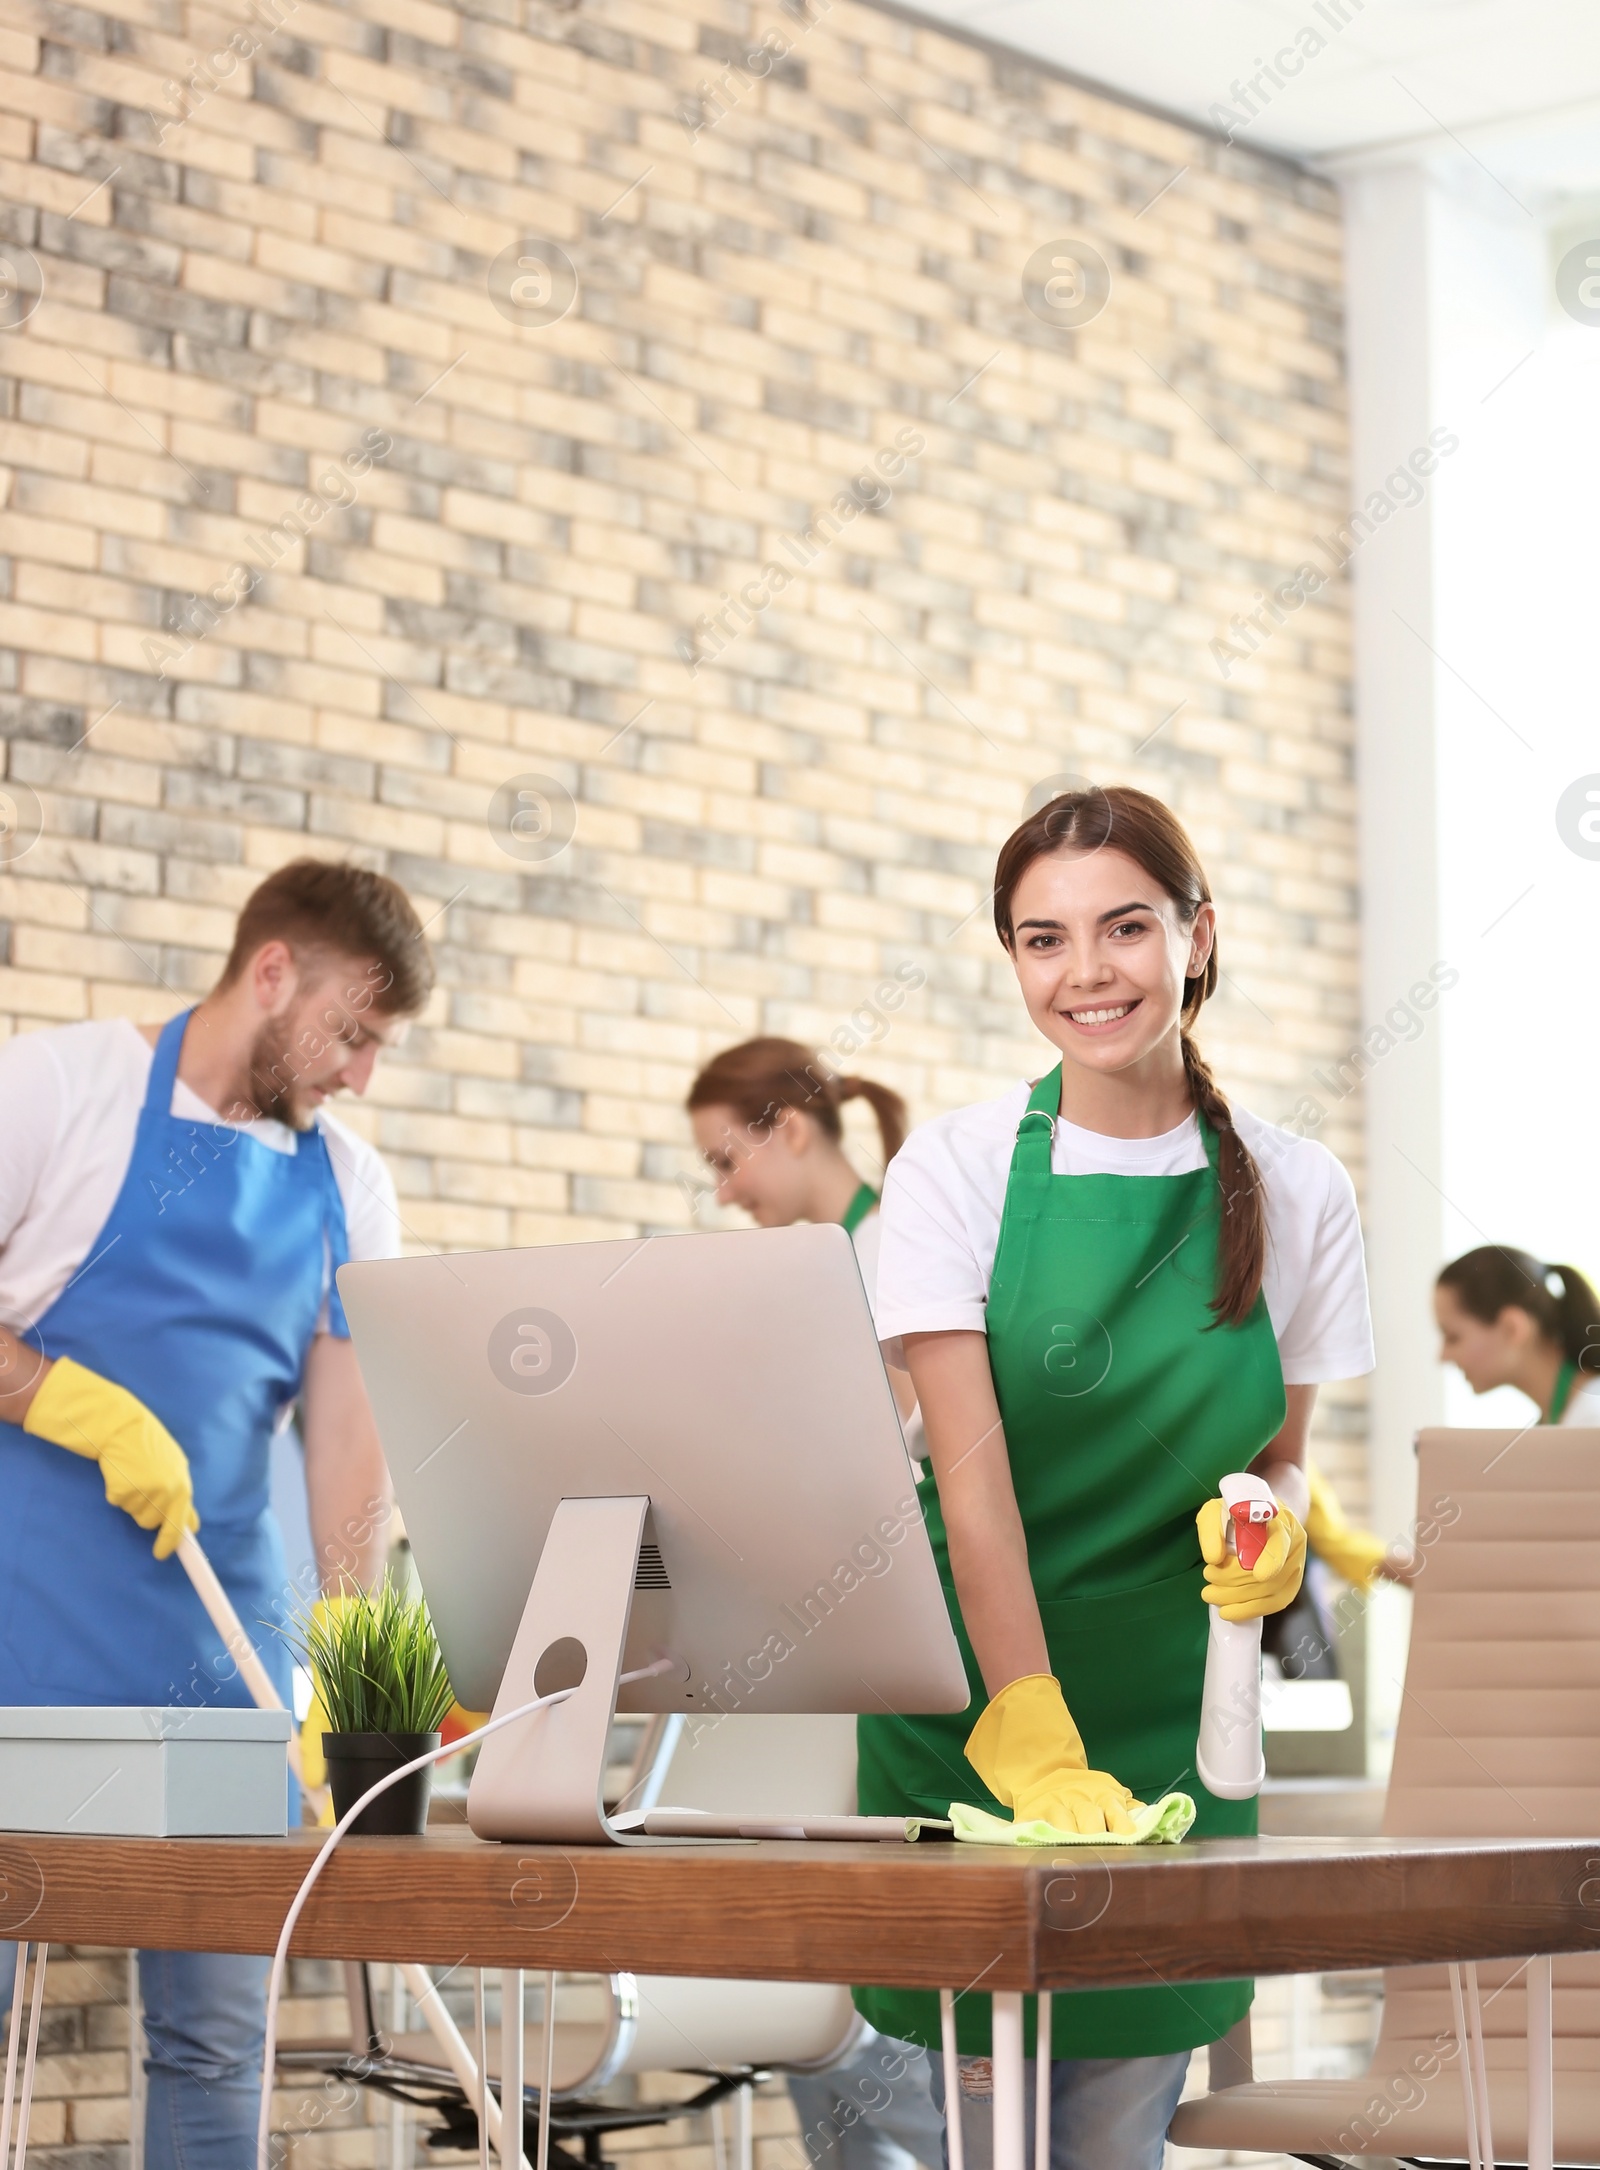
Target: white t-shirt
867	1236
1583	1403
945	1188
69	1108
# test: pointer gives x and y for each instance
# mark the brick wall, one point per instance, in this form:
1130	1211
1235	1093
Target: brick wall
324	529
313	536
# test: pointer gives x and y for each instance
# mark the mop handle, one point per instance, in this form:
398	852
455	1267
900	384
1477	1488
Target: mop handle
230	1627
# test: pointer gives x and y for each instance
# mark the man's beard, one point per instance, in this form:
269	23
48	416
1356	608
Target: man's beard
272	1077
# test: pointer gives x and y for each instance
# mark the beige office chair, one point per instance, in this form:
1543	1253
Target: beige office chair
1499	1737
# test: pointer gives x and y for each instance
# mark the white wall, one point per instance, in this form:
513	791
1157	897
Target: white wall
1478	702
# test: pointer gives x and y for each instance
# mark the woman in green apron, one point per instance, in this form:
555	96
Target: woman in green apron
766	1117
1506	1319
1100	1290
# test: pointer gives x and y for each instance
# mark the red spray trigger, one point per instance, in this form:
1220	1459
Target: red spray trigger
1252	1525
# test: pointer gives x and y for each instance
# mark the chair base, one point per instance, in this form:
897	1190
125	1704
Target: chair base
578	2129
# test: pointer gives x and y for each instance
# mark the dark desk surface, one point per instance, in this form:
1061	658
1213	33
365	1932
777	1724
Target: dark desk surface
929	1916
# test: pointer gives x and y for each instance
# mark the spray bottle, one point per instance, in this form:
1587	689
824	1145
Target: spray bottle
1230	1757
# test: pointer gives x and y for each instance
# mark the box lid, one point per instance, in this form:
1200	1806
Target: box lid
58	1722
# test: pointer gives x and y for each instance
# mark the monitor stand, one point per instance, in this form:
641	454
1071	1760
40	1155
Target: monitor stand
540	1781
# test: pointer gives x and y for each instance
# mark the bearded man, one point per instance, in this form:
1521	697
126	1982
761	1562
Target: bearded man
175	1201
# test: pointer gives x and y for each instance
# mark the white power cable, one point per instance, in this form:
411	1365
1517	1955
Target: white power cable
280	1958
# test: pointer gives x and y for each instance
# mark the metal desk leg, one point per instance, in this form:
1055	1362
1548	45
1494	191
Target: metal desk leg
952	2080
1041	2085
481	2027
401	2141
41	1953
430	2007
18	1979
1469	2084
510	2066
744	2141
1480	2067
1541	2065
547	2069
138	2082
1010	2117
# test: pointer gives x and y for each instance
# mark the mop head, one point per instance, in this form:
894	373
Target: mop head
1162	1823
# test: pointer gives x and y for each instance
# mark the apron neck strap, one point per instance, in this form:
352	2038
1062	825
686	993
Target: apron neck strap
1037	1129
1563	1393
1030	1159
858	1209
164	1063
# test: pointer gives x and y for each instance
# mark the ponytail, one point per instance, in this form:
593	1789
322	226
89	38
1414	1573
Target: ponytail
1578	1309
887	1106
1559	1299
762	1080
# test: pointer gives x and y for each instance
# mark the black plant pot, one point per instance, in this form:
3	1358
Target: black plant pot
358	1760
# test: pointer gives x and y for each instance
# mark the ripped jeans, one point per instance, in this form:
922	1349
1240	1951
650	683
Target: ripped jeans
1106	2113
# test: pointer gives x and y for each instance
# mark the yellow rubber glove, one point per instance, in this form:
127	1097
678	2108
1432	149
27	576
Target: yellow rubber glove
1249	1593
1355	1554
146	1472
1029	1754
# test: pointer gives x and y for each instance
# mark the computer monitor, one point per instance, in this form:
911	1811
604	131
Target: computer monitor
704	1419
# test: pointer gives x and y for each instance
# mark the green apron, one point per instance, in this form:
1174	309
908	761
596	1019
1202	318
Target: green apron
1124	1405
1566	1378
858	1209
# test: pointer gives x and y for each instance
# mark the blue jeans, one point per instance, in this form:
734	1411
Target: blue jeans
870	2114
205	2023
1106	2113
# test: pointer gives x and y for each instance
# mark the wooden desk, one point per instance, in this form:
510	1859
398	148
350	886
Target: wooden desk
937	1917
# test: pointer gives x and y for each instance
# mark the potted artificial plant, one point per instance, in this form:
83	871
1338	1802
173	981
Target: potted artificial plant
384	1692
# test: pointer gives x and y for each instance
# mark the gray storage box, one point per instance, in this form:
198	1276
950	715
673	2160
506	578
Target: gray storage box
145	1773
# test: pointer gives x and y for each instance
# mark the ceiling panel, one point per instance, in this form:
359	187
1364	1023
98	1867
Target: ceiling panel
1387	71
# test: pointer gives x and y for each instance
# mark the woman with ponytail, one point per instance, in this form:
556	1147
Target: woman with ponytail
766	1117
1506	1319
1111	1288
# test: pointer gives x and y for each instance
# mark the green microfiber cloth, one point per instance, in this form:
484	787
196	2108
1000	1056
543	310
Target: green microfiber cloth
1163	1822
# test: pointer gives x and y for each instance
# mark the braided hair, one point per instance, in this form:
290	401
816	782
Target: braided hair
1151	835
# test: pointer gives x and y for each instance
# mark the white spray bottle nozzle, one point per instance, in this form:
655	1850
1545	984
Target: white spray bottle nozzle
1251	1507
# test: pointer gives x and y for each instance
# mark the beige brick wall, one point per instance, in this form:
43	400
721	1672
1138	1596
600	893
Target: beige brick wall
781	262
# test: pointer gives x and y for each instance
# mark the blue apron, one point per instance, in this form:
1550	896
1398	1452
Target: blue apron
200	1295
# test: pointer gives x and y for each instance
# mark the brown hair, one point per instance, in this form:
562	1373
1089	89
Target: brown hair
1151	835
1558	1299
320	907
760	1078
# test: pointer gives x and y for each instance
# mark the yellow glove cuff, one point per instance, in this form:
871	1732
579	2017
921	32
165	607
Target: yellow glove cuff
1357	1555
63	1409
1025	1729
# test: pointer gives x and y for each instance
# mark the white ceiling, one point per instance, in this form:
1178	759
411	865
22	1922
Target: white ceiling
1397	72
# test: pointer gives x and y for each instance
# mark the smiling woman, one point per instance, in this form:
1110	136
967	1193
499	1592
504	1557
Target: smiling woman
1109	1294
